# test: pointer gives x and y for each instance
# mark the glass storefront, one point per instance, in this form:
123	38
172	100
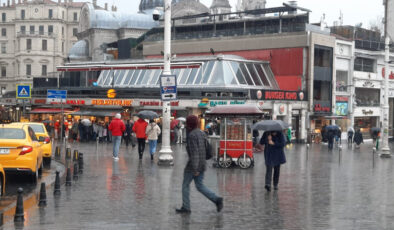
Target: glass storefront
365	124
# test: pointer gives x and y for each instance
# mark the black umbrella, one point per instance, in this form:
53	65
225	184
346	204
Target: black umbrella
332	127
375	130
270	125
147	114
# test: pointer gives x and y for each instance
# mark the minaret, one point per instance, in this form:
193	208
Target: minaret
220	7
239	6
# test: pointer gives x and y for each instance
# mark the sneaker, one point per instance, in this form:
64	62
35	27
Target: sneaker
116	158
268	188
219	204
182	210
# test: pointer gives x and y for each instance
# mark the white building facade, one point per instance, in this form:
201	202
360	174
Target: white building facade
35	38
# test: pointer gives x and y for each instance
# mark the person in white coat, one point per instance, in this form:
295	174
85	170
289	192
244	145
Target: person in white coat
152	131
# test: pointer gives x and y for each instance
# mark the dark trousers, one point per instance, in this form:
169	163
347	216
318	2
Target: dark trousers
330	144
141	146
268	175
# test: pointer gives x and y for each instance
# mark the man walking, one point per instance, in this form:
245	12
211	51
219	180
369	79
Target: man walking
117	128
194	170
139	128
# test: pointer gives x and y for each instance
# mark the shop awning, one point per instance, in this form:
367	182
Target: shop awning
97	112
50	110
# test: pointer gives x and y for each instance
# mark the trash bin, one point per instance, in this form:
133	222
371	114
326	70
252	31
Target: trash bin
214	140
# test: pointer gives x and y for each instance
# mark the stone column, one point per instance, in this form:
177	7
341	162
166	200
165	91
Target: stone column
303	126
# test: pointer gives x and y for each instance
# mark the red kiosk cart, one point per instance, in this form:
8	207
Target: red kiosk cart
236	143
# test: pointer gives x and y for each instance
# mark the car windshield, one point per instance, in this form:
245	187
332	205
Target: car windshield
37	128
12	133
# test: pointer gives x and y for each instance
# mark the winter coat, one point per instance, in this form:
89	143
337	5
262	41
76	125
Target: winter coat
129	128
274	154
139	128
358	138
117	127
195	147
153	131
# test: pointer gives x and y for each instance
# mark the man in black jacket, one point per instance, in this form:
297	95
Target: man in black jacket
195	146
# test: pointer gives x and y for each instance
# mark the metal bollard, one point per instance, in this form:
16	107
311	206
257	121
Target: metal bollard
57	191
75	156
307	151
75	173
68	177
340	152
43	196
68	153
57	152
80	163
19	213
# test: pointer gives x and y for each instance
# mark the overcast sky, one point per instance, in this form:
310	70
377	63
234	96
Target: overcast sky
354	11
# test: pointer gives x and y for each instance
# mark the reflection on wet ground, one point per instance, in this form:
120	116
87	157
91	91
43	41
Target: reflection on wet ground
321	190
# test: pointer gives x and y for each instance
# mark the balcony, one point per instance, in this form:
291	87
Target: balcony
34	34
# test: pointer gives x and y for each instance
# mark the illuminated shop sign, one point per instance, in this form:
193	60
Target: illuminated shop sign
283	95
341	108
157	103
112	102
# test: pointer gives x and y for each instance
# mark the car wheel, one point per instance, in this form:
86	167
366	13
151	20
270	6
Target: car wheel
47	161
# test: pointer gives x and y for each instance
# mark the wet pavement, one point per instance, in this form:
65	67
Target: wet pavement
352	189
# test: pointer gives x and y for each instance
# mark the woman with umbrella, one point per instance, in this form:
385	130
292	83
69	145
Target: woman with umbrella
274	156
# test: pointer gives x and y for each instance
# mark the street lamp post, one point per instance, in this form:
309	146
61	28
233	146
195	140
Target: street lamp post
165	157
385	134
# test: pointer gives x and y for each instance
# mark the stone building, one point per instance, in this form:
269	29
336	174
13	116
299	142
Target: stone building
35	38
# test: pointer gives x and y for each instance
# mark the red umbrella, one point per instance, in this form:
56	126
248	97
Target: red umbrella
173	123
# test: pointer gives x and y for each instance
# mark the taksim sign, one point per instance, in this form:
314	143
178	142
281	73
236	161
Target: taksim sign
112	102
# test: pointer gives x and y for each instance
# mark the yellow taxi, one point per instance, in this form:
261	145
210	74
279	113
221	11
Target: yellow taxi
20	149
41	131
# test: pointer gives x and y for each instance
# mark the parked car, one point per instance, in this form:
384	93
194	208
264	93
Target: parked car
40	131
20	149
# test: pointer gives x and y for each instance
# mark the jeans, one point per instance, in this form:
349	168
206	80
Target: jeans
268	175
116	140
330	144
141	146
198	180
152	146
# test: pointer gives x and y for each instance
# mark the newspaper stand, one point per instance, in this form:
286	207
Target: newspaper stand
236	145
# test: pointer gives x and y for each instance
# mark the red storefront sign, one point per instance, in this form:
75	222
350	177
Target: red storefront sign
342	98
283	95
322	108
157	103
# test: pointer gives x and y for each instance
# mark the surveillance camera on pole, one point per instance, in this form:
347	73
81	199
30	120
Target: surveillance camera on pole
157	12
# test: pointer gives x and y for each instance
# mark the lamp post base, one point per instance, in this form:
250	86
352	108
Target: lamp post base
166	158
385	153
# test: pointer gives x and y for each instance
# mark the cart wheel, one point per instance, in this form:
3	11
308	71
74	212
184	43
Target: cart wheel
225	163
245	162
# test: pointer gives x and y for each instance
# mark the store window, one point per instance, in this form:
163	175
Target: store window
364	64
365	124
342	81
367	97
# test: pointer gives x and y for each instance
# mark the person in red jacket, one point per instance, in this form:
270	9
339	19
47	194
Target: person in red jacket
117	128
139	128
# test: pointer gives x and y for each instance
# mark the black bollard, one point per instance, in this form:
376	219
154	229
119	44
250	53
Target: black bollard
43	196
75	156
57	191
68	177
75	173
80	162
19	214
57	152
68	153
